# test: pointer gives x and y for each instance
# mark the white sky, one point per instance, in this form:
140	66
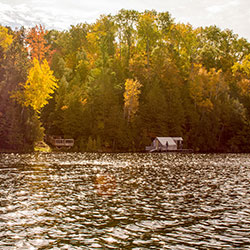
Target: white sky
60	14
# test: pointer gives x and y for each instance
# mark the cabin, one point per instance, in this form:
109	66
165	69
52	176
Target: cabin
59	142
165	144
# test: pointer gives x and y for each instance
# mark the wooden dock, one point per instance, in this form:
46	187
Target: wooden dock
59	142
184	150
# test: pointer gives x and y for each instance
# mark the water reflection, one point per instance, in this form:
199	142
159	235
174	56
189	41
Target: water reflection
105	184
124	201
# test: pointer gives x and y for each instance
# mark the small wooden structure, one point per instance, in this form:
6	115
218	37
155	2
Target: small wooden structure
166	144
59	142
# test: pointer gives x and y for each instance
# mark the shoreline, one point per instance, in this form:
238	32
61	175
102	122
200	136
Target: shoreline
9	151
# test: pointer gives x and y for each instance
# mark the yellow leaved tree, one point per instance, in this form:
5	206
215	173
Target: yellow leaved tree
206	86
5	38
242	71
131	98
38	88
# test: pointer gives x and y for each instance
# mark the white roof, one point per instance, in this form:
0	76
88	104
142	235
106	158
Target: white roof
164	140
177	138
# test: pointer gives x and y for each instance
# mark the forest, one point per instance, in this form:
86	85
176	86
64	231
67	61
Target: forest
115	84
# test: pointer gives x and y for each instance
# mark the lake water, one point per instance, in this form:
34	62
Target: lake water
124	201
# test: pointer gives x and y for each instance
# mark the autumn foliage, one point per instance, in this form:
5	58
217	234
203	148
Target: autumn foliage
38	88
41	82
115	84
5	38
131	98
37	46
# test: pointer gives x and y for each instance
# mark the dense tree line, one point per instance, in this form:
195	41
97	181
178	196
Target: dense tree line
117	83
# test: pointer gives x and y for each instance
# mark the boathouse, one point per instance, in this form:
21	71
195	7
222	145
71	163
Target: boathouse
161	144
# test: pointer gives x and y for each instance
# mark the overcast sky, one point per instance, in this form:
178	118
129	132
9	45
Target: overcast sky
60	14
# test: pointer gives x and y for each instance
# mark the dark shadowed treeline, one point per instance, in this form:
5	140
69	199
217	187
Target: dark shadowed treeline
123	80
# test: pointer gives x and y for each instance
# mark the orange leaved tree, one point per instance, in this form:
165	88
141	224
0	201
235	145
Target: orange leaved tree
36	43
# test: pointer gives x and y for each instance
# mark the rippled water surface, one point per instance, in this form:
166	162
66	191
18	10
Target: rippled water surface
124	201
